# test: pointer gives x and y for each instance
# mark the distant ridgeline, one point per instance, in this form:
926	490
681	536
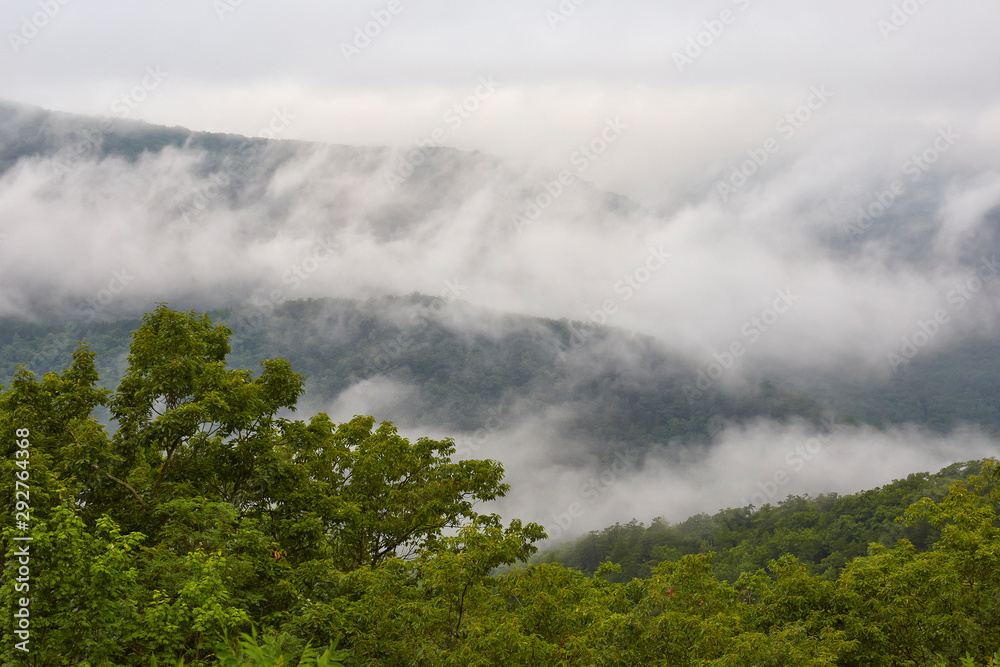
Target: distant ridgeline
464	367
469	367
27	131
823	533
960	384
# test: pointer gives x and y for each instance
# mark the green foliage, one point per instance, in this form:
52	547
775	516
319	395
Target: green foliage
202	606
824	533
941	602
81	583
206	516
270	651
205	511
382	495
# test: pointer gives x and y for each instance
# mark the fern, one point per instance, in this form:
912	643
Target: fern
268	651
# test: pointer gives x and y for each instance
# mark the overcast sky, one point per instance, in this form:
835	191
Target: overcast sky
893	68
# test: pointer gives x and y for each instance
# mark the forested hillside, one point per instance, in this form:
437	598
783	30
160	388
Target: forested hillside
465	366
824	533
205	514
960	384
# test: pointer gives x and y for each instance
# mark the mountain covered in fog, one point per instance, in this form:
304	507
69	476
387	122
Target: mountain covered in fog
420	361
213	220
528	314
191	215
132	213
424	362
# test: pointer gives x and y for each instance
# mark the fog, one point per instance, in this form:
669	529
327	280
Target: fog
773	270
767	187
758	463
755	464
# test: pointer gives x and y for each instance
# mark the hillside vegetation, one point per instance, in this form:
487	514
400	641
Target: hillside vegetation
463	367
824	533
205	516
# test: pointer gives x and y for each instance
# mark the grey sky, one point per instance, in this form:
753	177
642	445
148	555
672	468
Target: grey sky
229	66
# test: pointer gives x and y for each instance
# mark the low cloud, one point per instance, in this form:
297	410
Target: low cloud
759	463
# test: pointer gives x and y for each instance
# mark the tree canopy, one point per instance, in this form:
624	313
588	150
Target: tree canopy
212	528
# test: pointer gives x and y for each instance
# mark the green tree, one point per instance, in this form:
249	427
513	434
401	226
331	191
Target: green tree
377	495
907	605
206	510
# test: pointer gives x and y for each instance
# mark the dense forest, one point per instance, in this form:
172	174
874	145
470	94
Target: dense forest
824	533
208	530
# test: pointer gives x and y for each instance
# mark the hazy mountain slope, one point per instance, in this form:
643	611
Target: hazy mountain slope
131	214
459	369
956	385
211	219
466	362
824	533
